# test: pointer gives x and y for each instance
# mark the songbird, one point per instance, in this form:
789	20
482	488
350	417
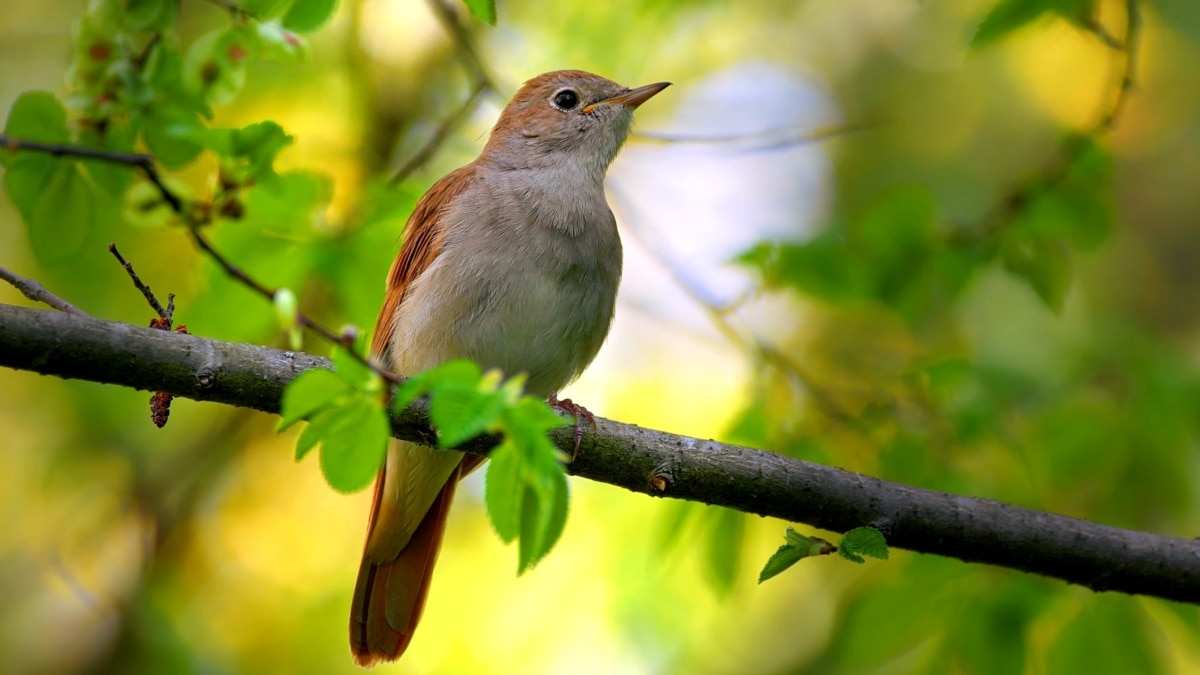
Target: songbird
513	261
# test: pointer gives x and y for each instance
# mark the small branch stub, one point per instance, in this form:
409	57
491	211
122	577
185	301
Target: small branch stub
160	402
661	481
206	378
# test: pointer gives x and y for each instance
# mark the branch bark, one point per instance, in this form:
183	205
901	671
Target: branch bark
643	460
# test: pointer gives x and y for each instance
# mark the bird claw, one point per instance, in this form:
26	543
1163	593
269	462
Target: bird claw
578	412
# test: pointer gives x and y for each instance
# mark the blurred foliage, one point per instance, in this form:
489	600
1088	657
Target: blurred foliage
999	301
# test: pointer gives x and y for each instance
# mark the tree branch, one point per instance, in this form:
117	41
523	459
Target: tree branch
38	293
643	460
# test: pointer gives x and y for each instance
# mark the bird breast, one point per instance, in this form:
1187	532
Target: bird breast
526	281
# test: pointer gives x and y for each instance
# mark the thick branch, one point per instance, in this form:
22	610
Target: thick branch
643	460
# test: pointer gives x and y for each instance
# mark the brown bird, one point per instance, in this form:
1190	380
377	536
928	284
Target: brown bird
512	261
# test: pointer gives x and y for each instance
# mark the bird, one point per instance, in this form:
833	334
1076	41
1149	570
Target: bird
512	261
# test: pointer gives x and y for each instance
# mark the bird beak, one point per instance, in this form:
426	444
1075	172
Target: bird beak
632	98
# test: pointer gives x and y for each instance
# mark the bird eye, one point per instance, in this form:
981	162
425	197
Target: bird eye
566	99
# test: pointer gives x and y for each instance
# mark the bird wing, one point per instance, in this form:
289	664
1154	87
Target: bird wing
424	236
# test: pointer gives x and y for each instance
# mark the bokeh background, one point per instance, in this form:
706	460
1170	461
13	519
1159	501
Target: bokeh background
931	358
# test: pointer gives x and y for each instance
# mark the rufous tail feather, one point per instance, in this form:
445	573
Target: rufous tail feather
389	597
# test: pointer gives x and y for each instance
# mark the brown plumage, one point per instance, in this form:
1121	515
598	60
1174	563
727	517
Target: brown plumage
422	241
512	261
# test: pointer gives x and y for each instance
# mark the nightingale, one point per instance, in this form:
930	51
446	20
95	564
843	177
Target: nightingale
513	261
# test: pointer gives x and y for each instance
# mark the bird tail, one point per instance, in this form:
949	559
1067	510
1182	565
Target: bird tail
389	596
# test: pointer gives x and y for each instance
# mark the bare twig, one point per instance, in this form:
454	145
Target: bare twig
1130	48
164	313
38	293
721	317
439	135
344	340
481	83
146	164
136	160
1057	170
465	43
233	8
769	139
160	402
1096	28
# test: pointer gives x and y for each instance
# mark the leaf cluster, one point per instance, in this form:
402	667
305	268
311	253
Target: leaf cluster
346	409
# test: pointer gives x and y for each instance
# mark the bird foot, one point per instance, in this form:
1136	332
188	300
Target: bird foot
578	412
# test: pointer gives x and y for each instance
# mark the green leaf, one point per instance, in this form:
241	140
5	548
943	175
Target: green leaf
311	391
172	136
526	491
898	226
459	370
250	150
280	43
531	419
783	558
63	213
215	64
1081	215
311	435
1007	16
863	541
266	9
26	179
354	444
306	16
164	82
354	371
526	424
1045	264
461	411
260	142
821	267
797	548
150	15
484	10
37	116
543	515
289	205
504	490
109	178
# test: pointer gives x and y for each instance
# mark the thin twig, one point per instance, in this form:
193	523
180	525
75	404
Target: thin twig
482	83
1131	48
164	313
233	8
720	315
1017	199
465	43
133	159
439	135
38	293
146	164
345	339
1096	28
139	60
769	139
